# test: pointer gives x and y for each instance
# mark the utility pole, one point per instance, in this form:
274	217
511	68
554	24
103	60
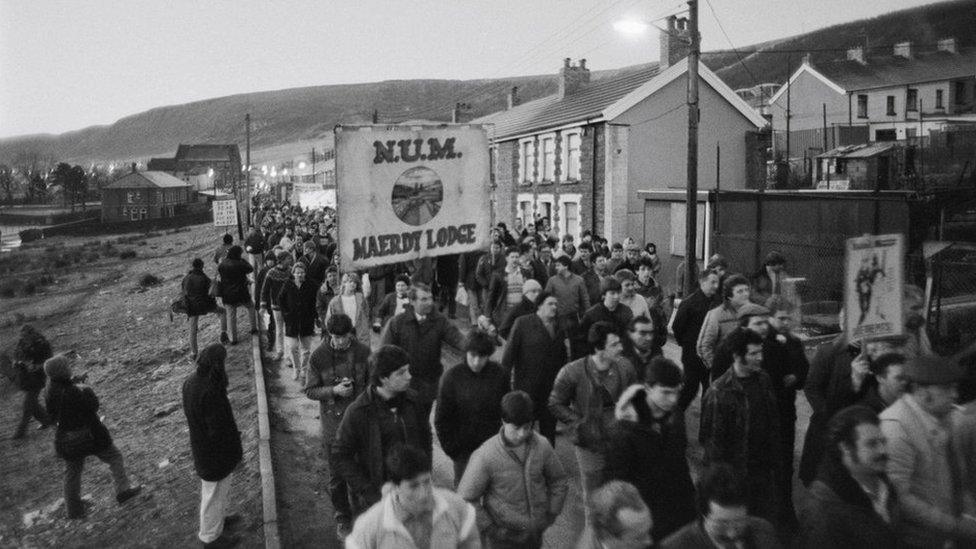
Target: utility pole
313	164
247	164
691	200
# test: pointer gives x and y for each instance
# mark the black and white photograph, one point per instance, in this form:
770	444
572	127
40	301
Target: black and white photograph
591	274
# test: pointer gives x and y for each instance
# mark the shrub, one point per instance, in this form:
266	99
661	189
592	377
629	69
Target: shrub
148	279
127	254
30	288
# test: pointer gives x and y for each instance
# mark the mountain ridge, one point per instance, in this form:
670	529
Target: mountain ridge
307	114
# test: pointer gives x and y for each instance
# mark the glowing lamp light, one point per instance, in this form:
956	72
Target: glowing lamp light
631	27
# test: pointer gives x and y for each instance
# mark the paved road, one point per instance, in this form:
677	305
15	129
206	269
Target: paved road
298	417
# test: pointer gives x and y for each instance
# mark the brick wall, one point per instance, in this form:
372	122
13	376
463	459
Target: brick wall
507	186
587	169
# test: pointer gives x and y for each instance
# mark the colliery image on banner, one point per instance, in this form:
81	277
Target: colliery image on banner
417	195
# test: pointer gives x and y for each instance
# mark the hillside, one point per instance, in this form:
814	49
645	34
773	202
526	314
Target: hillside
301	116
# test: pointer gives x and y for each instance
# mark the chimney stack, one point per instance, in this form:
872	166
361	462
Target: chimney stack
513	98
806	58
903	49
948	45
675	42
135	168
572	77
856	54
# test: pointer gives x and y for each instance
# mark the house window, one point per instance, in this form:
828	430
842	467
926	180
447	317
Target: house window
939	100
134	214
891	105
549	158
130	197
911	133
862	106
571	156
911	100
885	135
960	93
142	213
525	212
526	161
570	219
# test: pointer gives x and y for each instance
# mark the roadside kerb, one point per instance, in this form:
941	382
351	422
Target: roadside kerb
271	536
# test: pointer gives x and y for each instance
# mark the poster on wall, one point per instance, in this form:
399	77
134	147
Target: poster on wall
406	192
225	213
873	275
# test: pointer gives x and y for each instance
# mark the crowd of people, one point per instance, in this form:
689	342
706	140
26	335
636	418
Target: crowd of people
579	329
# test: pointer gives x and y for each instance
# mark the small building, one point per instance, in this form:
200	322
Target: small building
145	195
866	167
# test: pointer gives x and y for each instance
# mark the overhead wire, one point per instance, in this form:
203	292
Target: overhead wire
597	22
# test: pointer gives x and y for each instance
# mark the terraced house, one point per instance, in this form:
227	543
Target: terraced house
579	157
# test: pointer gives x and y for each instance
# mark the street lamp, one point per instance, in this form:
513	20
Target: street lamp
691	197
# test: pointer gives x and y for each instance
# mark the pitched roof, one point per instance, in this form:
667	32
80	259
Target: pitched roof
864	150
145	180
208	153
890	71
605	100
162	164
552	111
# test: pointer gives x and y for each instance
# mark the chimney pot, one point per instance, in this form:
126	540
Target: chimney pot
582	63
675	42
573	77
513	99
903	49
856	54
566	62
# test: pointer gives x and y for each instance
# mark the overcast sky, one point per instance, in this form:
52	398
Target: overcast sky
68	64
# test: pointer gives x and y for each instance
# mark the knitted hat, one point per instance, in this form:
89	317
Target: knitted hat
58	367
751	309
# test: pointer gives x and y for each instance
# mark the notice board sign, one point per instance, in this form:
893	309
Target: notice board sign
873	275
406	192
224	213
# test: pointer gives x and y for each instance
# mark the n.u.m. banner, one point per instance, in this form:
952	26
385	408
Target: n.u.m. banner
406	192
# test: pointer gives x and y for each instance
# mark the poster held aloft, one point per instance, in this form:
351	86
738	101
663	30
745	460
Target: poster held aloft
874	279
406	192
225	213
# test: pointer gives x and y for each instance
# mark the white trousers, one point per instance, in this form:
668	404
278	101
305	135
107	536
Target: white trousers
213	508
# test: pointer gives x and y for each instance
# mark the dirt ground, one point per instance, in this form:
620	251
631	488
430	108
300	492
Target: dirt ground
136	359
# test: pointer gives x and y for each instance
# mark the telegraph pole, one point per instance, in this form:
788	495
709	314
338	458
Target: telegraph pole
691	200
247	165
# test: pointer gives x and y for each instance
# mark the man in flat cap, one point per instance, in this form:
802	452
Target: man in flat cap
921	465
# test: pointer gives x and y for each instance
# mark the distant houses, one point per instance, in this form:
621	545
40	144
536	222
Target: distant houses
903	94
205	167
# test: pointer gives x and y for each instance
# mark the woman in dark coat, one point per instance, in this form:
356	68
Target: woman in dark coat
215	441
75	408
199	302
297	301
233	289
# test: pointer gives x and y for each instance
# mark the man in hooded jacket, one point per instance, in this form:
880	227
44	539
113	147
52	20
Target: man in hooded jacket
215	443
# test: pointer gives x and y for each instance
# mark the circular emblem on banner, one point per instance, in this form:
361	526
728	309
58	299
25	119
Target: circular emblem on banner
417	195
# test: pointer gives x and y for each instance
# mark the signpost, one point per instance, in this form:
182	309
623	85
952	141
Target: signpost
225	213
406	192
873	283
